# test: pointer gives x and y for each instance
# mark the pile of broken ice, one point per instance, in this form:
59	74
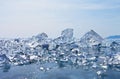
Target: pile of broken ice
89	52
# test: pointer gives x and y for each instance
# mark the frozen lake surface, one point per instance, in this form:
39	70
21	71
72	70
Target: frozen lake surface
33	72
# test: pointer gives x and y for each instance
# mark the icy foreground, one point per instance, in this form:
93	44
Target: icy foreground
65	57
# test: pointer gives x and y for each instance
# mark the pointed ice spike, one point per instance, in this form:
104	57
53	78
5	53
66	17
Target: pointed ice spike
91	38
66	36
68	33
42	36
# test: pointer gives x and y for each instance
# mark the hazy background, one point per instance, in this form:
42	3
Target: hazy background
24	18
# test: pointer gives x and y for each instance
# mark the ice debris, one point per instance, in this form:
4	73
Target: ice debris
90	52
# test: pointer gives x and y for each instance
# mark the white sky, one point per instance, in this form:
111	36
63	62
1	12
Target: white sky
24	18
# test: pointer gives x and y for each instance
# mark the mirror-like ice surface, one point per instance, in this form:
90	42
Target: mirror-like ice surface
65	57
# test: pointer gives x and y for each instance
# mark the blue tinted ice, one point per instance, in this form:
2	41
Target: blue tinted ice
40	57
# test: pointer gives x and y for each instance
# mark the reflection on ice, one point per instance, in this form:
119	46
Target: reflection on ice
32	72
